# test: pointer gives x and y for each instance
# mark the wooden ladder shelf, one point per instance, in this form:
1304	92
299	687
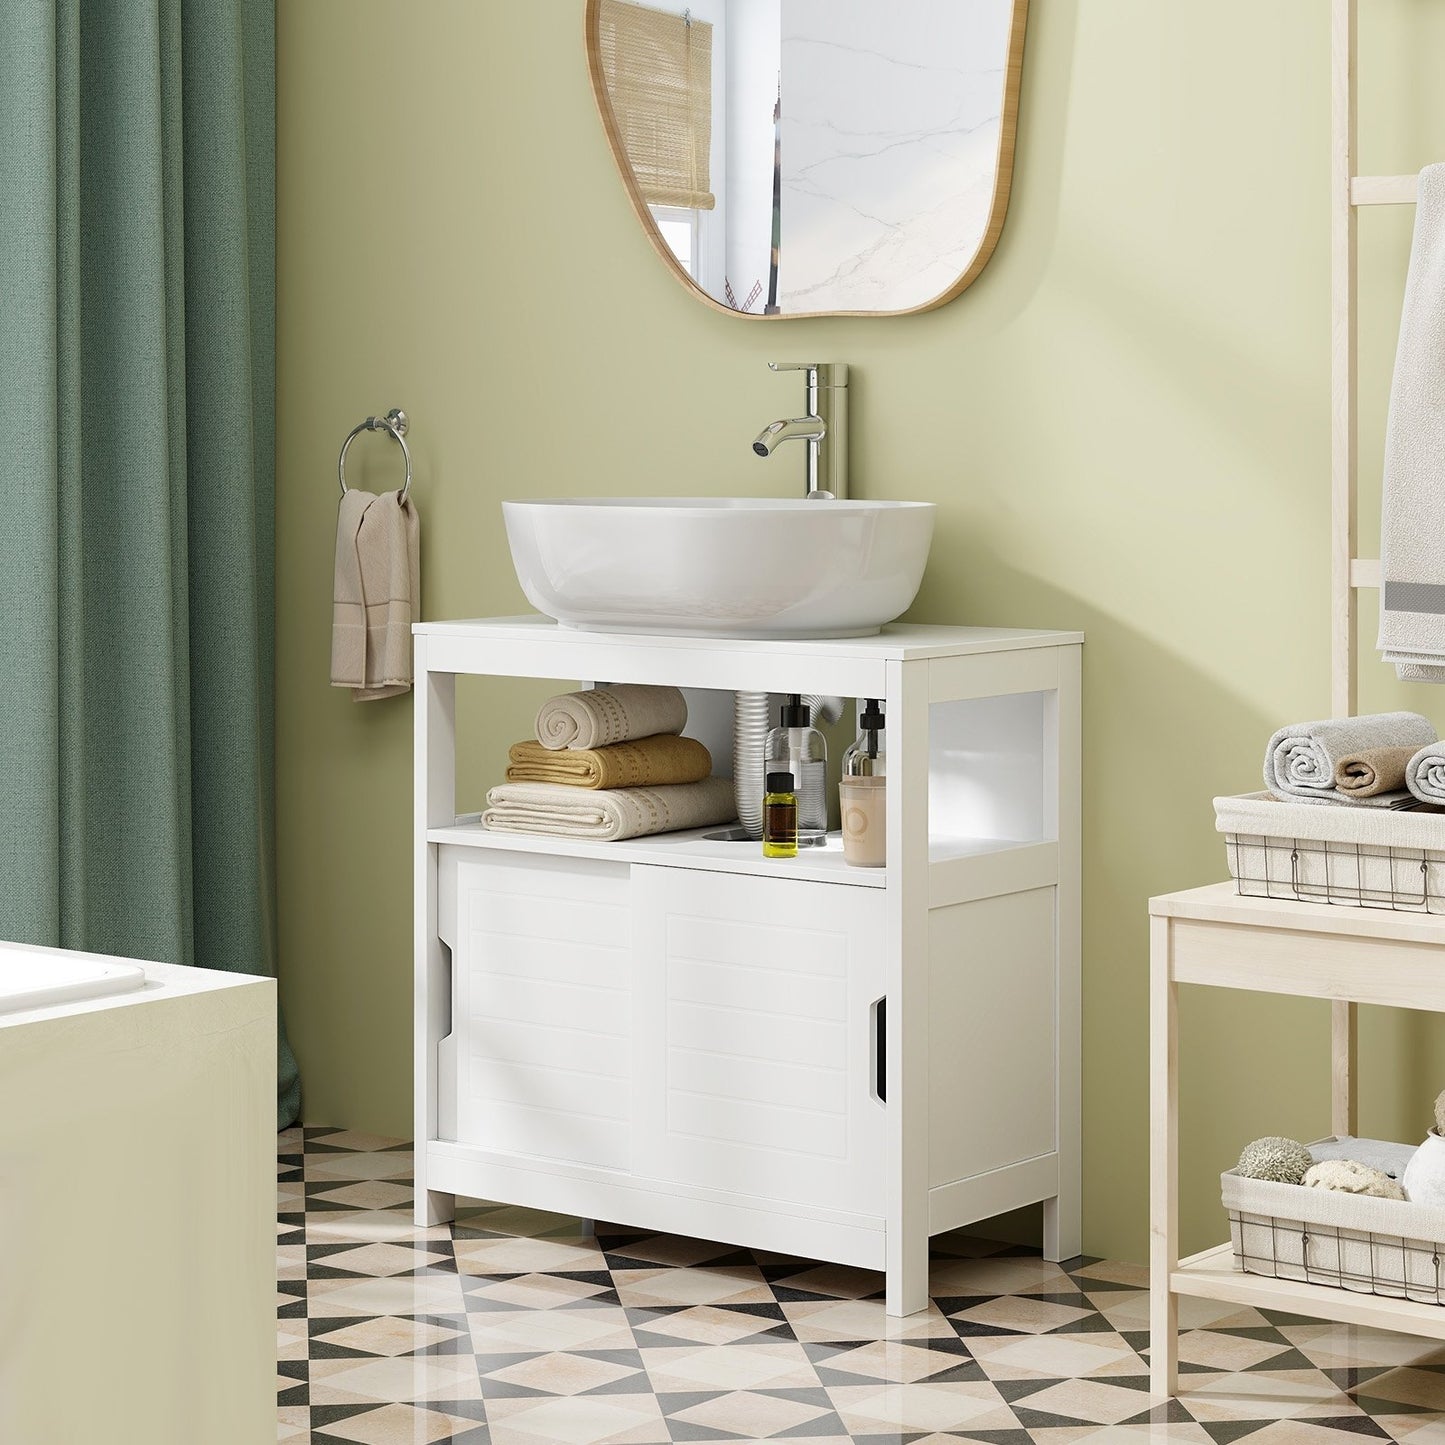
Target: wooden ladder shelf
1215	937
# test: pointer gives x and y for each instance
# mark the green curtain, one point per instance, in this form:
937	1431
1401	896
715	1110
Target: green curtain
137	301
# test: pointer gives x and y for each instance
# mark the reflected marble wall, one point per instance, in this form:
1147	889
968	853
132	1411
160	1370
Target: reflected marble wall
890	131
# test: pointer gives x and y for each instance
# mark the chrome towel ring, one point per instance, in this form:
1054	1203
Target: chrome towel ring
394	423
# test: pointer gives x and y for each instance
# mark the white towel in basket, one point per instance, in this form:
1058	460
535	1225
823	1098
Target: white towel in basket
1412	519
1425	774
1300	761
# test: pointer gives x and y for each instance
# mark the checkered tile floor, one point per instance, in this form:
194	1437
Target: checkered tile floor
512	1327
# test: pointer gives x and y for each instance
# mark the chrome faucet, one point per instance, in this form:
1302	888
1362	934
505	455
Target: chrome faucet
824	429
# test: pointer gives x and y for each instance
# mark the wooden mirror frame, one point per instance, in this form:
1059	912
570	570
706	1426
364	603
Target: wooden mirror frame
1003	177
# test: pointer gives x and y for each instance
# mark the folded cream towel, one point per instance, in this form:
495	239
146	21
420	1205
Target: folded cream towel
645	763
1300	761
1425	774
607	815
1372	771
376	593
1412	520
604	715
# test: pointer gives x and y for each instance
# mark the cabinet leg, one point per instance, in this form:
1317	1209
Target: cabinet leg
906	1279
435	1206
1063	1234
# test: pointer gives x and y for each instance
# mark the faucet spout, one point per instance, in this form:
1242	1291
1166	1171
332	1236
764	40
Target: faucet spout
824	429
803	428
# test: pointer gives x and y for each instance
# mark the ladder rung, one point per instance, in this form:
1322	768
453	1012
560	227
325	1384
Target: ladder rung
1364	572
1383	190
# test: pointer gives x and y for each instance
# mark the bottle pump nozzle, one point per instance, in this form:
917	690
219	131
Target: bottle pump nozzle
796	713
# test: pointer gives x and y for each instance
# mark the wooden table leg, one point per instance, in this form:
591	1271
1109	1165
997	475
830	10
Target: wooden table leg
1163	1161
1344	1068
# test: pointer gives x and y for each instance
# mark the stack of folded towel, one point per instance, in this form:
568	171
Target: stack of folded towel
1385	760
609	764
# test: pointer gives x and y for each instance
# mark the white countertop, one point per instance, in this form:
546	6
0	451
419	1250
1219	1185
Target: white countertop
898	640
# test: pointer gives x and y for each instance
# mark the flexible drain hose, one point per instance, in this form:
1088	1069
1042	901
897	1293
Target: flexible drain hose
752	720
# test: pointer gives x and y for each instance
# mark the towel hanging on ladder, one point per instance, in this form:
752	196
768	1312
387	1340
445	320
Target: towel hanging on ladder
1412	523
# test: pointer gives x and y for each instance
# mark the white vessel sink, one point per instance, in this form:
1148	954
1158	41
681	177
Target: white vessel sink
734	567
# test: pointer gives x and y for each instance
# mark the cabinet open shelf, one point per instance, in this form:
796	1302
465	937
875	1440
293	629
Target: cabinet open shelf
690	848
699	848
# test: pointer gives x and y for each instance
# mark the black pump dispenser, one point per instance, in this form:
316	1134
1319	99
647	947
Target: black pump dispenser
796	713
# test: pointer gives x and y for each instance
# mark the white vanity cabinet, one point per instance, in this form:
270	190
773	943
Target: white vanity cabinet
676	1033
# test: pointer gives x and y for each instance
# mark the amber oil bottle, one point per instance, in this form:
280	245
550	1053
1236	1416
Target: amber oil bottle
780	817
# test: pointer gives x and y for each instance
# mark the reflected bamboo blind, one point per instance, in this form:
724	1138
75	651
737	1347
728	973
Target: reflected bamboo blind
658	69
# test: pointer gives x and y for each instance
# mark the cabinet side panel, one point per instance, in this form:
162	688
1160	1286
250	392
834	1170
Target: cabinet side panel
992	1029
543	1017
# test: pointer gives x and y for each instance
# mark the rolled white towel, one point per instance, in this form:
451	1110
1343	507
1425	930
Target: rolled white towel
1300	761
606	815
604	715
1425	774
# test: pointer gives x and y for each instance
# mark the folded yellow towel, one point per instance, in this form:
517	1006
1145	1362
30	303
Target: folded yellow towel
645	763
615	714
1372	771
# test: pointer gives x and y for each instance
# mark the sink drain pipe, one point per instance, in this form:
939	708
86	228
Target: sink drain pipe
752	721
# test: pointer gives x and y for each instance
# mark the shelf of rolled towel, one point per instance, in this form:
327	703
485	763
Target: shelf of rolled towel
1352	815
610	776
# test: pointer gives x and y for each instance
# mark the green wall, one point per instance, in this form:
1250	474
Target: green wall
1124	423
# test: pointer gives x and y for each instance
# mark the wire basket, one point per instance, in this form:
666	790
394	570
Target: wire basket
1353	1259
1357	857
1386	1247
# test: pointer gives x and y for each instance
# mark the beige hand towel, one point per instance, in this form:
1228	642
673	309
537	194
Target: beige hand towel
1371	771
606	715
645	763
377	593
560	811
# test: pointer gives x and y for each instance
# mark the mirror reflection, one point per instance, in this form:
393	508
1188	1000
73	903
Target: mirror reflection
803	156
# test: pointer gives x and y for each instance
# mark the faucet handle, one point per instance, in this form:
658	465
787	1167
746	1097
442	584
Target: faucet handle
820	373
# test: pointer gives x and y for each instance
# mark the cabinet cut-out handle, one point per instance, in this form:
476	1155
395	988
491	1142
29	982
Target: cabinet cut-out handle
879	1012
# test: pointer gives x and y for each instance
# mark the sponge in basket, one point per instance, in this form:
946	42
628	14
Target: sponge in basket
1348	1176
1279	1160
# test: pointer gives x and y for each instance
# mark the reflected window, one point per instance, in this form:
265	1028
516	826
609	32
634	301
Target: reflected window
679	229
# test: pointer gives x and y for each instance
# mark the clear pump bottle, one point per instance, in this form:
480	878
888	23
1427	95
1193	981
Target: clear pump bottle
865	755
797	747
862	791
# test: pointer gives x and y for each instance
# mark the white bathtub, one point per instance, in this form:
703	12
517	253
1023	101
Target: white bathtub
40	977
137	1196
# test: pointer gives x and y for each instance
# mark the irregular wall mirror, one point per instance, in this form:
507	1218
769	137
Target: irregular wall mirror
805	157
